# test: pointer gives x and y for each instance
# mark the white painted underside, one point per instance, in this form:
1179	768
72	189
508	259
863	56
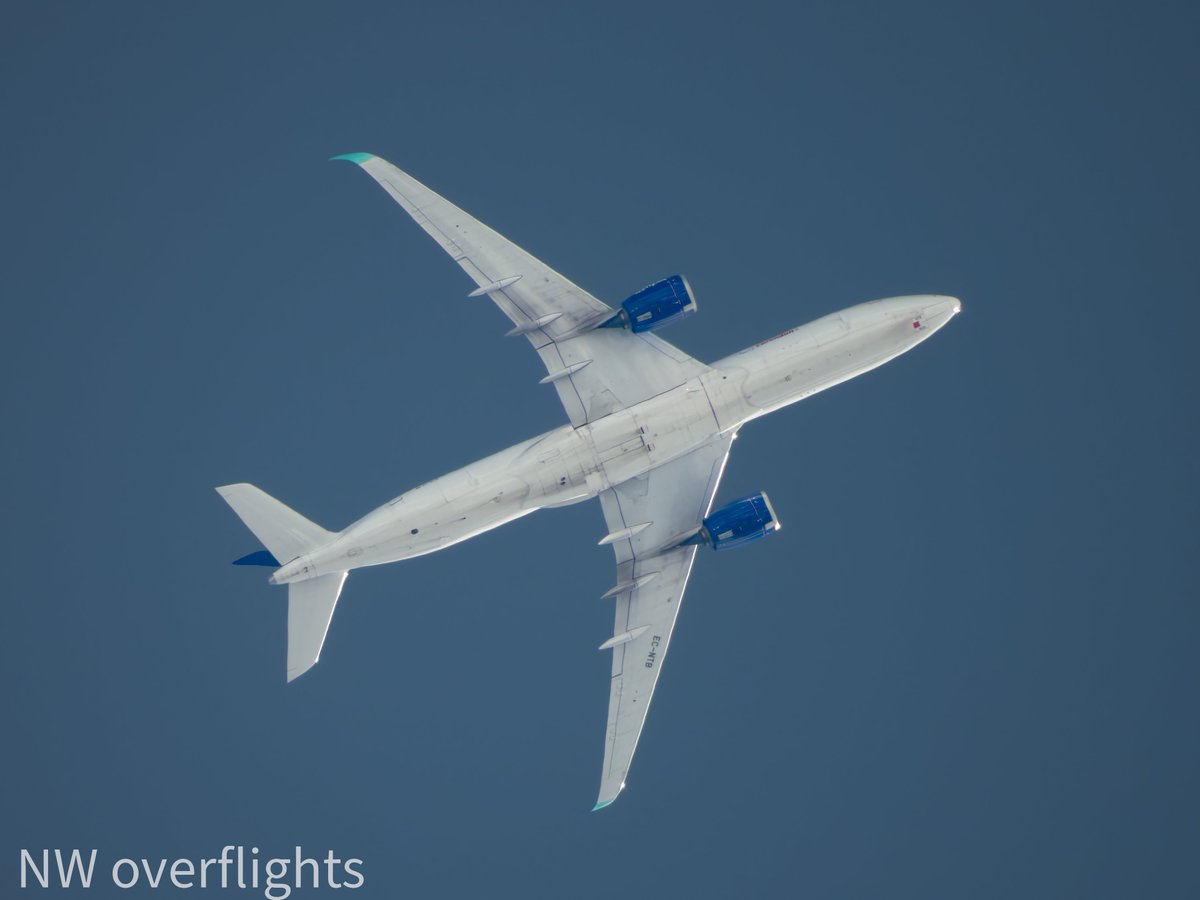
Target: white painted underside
650	430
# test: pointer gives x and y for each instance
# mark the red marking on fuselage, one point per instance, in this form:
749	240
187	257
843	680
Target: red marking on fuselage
777	337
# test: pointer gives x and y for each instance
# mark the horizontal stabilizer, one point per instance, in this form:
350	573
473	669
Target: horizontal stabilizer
284	532
310	610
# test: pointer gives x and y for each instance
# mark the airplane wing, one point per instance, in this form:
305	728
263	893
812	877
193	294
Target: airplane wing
595	371
673	499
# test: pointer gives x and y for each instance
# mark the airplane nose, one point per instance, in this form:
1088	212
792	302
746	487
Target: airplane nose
941	311
930	312
945	306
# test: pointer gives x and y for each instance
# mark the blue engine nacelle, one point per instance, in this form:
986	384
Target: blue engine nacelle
740	522
655	305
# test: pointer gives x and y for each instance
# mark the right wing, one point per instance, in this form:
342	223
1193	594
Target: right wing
595	370
652	573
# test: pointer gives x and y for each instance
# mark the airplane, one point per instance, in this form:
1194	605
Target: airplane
649	432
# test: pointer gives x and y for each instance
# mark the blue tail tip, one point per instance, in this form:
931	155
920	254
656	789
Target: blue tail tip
258	558
601	805
359	158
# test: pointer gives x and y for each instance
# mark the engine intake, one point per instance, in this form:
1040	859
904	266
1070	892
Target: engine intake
656	305
738	523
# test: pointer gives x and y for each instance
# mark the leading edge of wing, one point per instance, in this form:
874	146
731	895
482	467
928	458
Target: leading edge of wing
525	288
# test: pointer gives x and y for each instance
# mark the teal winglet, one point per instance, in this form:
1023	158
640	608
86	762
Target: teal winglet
359	158
601	805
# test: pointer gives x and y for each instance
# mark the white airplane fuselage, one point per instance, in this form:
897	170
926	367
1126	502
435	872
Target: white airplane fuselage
569	465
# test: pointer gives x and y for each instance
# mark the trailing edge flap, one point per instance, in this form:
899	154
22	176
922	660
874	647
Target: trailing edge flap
310	609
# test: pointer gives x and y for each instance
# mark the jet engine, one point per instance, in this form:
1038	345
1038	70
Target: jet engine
655	305
738	523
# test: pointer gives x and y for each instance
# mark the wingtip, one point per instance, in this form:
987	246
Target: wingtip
296	671
604	789
359	158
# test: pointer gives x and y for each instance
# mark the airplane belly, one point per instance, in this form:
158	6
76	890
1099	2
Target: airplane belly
405	530
556	469
780	375
831	365
617	447
683	420
630	443
811	358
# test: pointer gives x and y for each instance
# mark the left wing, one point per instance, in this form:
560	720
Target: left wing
654	512
595	370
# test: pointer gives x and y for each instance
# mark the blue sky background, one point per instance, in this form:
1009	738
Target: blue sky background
966	667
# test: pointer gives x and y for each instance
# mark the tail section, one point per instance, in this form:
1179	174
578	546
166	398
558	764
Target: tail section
286	534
